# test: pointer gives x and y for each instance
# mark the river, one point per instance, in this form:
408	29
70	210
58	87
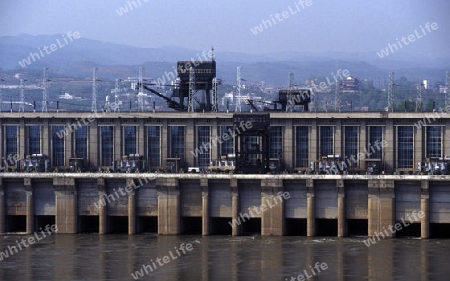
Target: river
194	258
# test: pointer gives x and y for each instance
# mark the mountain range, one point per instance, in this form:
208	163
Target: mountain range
76	58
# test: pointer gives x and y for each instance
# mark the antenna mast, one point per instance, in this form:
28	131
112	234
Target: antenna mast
238	96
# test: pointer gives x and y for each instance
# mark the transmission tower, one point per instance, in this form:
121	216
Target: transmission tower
141	90
391	98
419	98
337	96
45	86
447	90
238	96
94	90
116	95
191	89
22	95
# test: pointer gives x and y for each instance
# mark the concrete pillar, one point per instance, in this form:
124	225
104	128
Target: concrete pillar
30	205
2	144
169	207
66	199
362	141
272	207
314	142
141	138
381	206
342	220
418	140
46	138
446	136
93	145
22	137
310	209
103	209
2	208
288	145
206	220
338	139
131	208
215	131
118	150
389	150
165	149
235	206
425	208
190	143
69	149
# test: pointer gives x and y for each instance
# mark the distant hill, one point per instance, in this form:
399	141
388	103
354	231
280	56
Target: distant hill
77	58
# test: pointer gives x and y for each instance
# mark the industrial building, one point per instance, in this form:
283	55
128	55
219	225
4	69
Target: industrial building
82	156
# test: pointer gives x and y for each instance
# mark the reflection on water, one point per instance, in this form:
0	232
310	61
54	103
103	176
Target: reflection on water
117	257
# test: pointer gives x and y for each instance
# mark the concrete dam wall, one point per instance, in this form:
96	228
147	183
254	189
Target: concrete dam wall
207	204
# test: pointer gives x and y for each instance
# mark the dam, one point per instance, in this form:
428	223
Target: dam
82	187
338	205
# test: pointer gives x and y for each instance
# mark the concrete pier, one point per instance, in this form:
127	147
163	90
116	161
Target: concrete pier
310	209
30	206
168	206
209	203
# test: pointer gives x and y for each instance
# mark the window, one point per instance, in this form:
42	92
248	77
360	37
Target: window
34	140
374	146
107	144
227	147
351	143
11	141
434	141
405	144
154	146
204	145
301	146
57	146
177	142
81	141
129	139
276	142
326	140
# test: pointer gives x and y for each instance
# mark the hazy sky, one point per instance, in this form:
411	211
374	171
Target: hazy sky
332	25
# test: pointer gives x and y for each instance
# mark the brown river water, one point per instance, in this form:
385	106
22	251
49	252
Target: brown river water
195	257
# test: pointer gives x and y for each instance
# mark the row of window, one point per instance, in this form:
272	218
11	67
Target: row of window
405	143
